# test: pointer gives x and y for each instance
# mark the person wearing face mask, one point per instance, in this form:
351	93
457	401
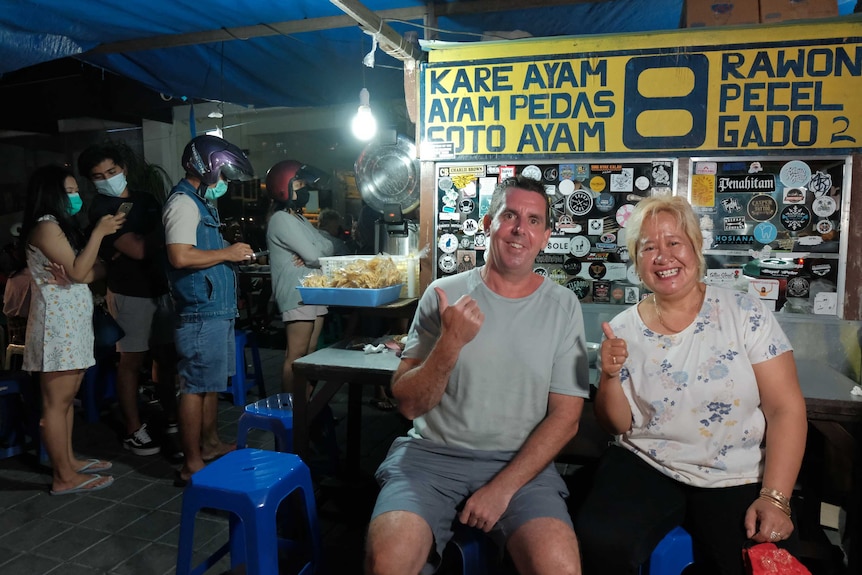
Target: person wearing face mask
59	345
203	285
291	238
134	257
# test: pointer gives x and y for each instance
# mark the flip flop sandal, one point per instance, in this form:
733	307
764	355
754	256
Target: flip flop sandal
91	466
83	486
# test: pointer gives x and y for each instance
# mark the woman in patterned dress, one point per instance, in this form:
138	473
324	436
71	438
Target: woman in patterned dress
699	386
60	323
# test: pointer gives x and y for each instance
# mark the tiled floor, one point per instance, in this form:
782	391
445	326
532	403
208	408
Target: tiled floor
132	527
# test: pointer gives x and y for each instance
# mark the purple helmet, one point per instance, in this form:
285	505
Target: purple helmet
210	156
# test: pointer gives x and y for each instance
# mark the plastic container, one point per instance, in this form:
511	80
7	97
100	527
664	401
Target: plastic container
355	297
407	265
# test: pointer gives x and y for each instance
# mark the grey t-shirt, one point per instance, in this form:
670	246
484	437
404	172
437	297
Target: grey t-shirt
498	391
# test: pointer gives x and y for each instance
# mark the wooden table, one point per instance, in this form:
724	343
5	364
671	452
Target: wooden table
831	409
332	367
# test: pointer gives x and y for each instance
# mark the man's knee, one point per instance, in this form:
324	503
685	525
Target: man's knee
545	545
398	544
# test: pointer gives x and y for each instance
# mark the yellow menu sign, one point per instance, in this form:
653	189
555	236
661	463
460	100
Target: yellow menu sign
692	91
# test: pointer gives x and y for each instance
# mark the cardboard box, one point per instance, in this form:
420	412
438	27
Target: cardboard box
772	11
701	13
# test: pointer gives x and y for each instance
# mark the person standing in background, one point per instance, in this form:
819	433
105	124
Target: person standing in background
329	223
60	322
203	286
134	257
290	236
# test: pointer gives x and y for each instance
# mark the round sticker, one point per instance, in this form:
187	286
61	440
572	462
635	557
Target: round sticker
608	238
572	266
566	187
465	242
579	246
624	212
541	271
824	226
798	287
558	275
466	206
824	206
580	286
795	218
532	172
605	202
794	174
642	183
580	202
470	227
765	233
447	243
445	184
550	174
447	263
597	270
597	183
762	207
632	275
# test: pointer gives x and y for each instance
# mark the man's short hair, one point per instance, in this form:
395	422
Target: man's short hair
95	155
327	217
522	183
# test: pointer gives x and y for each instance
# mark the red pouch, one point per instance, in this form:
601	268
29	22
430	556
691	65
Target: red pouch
767	559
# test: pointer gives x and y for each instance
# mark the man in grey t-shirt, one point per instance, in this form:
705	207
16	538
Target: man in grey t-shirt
494	376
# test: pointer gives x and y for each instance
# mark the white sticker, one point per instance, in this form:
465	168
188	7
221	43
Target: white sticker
532	172
579	246
448	243
642	183
558	245
824	206
595	226
470	227
567	187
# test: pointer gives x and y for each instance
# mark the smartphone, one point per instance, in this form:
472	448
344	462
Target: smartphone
259	254
125	208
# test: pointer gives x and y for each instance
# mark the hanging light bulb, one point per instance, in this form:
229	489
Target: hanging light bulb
364	123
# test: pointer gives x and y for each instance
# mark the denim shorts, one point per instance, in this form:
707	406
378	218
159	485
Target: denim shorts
206	351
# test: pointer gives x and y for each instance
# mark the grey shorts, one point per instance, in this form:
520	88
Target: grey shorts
135	316
434	481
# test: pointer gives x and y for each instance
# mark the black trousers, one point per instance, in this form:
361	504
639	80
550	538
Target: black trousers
632	506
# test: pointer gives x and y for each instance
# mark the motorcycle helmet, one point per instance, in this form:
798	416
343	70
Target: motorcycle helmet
211	156
279	180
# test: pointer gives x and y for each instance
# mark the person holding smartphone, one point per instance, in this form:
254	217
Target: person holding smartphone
137	286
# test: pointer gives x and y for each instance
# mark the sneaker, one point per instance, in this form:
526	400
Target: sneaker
140	442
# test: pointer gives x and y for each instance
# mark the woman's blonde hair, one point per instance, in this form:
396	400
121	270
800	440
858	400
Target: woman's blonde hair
686	220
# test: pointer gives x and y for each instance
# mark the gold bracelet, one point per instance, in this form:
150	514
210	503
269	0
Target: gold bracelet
776	494
784	508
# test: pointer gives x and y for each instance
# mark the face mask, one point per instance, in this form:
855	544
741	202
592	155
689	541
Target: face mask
113	186
218	191
302	195
75	203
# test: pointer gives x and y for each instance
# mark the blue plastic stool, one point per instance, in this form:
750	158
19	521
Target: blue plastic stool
476	550
99	384
243	380
12	424
672	554
250	484
19	415
275	414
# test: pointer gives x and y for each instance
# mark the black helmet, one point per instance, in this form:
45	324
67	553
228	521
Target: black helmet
210	156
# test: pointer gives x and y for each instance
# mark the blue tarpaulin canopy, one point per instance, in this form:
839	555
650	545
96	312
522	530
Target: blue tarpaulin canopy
294	53
279	52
